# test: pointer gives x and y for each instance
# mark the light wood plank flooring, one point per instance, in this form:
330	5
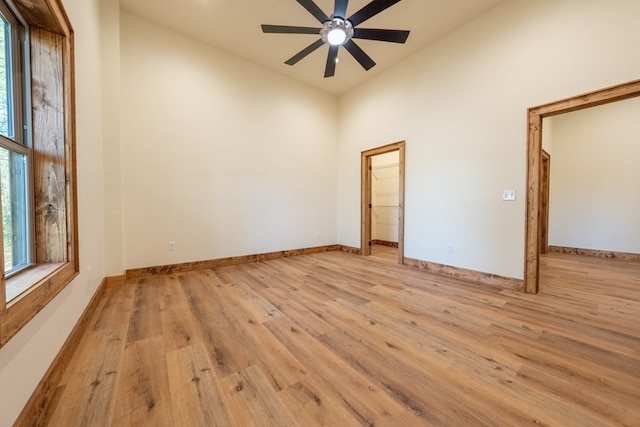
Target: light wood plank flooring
340	340
384	254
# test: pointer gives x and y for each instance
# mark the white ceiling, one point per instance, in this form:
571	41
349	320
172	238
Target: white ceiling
234	26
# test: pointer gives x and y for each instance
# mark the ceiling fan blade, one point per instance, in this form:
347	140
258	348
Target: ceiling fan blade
364	59
330	70
286	29
395	36
370	10
340	9
304	52
313	9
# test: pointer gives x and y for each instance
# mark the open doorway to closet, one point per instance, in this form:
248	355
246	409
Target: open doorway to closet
382	195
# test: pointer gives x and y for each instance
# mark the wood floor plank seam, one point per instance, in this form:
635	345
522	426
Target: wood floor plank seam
332	338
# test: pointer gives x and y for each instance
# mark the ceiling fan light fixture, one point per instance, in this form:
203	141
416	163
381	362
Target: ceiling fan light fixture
336	32
336	36
339	31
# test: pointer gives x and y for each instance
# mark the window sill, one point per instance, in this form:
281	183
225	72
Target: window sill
43	283
20	283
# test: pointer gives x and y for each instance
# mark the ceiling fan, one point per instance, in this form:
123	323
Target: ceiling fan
338	30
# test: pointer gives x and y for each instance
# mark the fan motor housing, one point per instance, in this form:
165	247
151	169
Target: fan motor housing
336	31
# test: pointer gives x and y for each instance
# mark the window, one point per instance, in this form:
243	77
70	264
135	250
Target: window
6	74
14	146
15	214
37	159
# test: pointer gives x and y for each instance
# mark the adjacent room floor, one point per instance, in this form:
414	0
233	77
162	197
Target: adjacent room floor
342	340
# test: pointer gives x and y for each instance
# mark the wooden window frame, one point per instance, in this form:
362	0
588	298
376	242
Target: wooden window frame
54	165
534	165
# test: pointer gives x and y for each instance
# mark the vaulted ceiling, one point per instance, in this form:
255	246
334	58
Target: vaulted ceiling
234	26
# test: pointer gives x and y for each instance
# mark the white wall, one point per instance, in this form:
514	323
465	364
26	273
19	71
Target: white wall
25	359
461	106
110	50
594	198
220	156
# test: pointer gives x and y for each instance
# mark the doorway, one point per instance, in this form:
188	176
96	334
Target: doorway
534	166
382	214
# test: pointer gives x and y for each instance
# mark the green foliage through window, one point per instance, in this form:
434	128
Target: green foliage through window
14	153
5	79
13	173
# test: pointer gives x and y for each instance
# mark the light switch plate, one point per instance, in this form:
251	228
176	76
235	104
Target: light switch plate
509	195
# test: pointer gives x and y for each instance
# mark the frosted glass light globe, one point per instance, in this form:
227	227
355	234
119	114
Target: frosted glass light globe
336	36
336	32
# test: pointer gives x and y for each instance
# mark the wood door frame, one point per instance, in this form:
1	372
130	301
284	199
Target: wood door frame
543	239
534	165
365	196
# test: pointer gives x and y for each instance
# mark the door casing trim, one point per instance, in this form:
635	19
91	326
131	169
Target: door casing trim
534	165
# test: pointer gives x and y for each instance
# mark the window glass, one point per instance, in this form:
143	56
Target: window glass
6	104
14	156
13	177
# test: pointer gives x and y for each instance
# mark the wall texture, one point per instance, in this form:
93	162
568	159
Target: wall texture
461	105
219	156
595	178
112	153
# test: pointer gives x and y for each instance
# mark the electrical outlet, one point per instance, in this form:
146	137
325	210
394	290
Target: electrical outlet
450	249
172	246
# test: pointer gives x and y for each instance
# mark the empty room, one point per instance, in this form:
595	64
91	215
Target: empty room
320	213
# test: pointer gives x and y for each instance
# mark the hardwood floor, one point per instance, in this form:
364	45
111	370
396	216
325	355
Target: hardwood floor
340	340
384	254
